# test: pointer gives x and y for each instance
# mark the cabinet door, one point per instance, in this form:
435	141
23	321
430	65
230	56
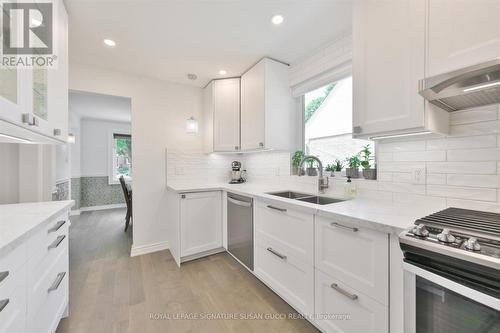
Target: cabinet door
15	94
388	61
462	33
201	222
253	108
227	115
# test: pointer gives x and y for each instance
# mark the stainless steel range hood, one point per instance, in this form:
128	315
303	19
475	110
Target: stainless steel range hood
464	88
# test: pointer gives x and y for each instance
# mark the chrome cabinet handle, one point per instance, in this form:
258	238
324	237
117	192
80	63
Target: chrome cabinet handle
276	208
57	282
29	119
3	275
356	129
3	304
344	292
277	254
261	144
57	131
56	243
56	227
338	225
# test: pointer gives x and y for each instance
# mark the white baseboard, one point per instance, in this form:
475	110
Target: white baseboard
74	212
104	207
145	249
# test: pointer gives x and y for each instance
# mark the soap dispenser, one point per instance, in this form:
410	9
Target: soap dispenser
350	189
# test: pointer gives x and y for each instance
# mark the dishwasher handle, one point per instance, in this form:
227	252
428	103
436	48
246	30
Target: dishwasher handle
239	203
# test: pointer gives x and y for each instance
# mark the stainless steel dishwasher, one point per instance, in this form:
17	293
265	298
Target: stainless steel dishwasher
240	228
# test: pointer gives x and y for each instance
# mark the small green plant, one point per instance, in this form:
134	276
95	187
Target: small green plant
310	163
354	162
365	153
330	168
297	157
338	166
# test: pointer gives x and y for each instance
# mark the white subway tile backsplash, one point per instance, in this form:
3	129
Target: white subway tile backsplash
436	179
384	176
401	146
487	181
482	141
401	187
420	156
469	193
462	167
386	157
474	204
398	166
402	177
484	113
481	154
487	127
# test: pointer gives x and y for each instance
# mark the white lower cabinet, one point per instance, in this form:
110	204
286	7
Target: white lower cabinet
284	252
342	309
34	287
357	256
335	273
200	222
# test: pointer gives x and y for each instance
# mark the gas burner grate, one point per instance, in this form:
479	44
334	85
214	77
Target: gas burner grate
464	219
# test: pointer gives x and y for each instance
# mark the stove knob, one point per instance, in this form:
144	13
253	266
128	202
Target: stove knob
445	236
472	244
420	230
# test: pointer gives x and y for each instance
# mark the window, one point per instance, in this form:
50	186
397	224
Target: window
122	156
328	123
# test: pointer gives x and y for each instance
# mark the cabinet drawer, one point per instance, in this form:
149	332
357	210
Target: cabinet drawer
291	229
293	280
13	314
357	256
38	244
12	268
39	285
334	300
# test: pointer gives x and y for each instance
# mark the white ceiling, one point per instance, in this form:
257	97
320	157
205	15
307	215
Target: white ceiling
167	39
97	106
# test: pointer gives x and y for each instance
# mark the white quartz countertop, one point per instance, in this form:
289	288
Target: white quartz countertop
382	215
18	221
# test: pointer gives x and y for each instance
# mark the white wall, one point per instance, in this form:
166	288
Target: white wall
9	173
95	144
159	113
75	151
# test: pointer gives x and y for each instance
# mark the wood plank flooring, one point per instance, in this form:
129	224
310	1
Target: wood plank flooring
111	292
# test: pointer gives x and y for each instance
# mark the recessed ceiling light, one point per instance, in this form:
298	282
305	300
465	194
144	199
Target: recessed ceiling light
109	42
277	19
222	72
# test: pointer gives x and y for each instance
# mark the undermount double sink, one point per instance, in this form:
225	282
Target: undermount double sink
319	200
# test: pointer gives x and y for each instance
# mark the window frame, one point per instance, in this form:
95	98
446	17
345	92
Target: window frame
112	153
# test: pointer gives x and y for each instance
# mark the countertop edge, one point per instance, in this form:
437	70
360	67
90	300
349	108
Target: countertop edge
27	233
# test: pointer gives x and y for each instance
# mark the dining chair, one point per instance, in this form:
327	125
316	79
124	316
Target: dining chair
128	200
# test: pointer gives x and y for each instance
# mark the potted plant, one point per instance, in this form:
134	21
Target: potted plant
296	158
331	169
368	173
353	170
311	170
337	168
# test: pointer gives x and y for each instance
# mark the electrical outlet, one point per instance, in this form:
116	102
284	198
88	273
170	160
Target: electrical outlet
418	175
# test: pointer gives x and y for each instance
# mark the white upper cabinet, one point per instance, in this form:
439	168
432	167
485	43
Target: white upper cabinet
462	33
268	115
34	102
388	62
222	115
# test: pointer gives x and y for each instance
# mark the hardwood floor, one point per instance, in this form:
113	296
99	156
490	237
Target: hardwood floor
112	292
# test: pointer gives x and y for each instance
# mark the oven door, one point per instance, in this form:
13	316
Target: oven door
435	304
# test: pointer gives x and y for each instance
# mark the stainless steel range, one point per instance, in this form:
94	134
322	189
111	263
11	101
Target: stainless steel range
452	272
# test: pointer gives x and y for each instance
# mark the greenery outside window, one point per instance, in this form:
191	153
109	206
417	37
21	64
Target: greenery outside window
122	156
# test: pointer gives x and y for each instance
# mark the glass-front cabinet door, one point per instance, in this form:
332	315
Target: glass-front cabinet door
15	96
